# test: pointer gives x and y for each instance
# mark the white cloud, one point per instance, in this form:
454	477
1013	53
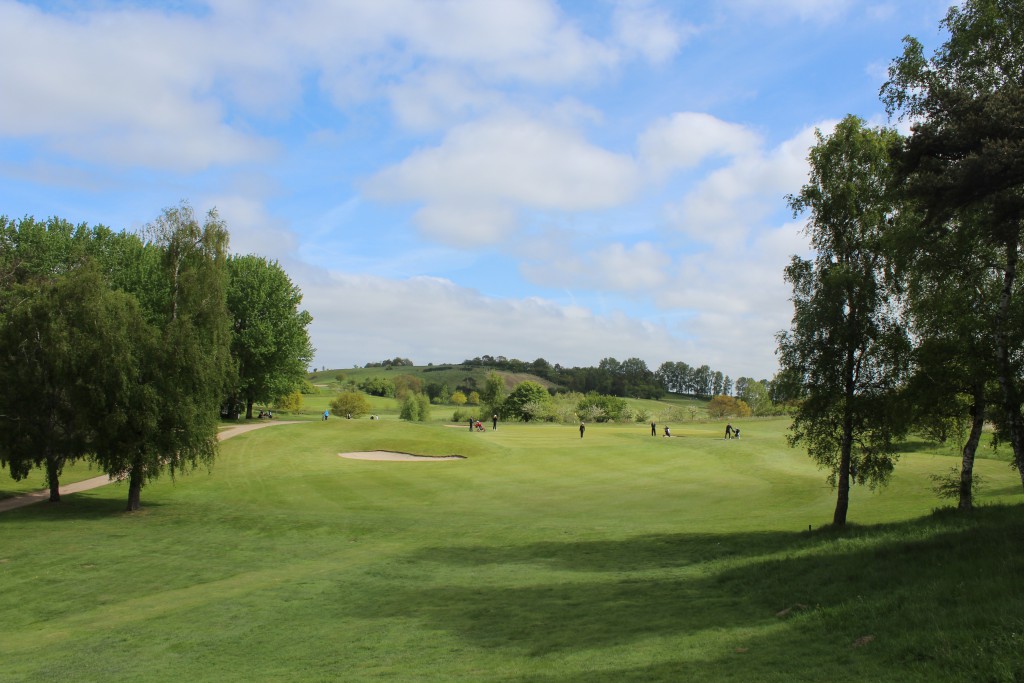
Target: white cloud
253	230
736	299
116	88
685	139
427	319
649	30
615	267
165	89
431	98
499	165
723	207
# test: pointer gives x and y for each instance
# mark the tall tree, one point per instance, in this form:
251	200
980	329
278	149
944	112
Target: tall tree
60	342
269	344
964	162
180	367
952	295
845	342
493	393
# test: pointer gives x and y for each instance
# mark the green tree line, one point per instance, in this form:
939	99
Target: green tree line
123	347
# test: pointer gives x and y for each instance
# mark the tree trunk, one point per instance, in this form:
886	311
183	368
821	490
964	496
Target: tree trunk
843	482
967	464
846	444
135	487
248	408
1007	381
53	468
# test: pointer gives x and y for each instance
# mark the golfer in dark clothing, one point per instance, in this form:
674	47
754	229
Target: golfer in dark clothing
654	429
583	428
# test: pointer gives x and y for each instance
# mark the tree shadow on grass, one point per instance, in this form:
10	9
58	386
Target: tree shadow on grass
930	596
73	506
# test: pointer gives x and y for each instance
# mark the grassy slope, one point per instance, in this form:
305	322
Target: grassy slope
542	556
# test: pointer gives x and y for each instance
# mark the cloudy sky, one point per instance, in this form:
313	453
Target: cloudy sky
446	179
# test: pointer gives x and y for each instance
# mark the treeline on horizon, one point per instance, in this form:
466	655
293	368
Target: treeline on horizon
631	378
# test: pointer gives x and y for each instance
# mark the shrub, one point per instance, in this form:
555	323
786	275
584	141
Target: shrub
528	401
720	406
378	386
415	408
352	403
289	403
595	407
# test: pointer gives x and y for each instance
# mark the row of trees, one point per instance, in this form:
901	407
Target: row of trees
629	378
911	314
122	347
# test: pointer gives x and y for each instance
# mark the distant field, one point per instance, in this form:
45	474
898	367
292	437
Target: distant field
540	557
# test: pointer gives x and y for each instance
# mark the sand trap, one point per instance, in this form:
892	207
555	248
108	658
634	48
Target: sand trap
399	457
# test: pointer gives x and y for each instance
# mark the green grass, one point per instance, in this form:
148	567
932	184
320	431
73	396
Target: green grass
36	480
540	557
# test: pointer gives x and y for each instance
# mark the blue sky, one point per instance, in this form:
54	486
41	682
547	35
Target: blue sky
447	179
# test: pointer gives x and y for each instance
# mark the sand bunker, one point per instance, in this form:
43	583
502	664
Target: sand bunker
400	457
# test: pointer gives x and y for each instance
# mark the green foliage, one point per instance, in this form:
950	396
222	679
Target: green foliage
352	403
963	169
528	401
289	403
948	486
458	398
407	384
599	408
474	398
727	406
378	386
269	344
846	343
173	427
63	345
415	408
462	415
493	392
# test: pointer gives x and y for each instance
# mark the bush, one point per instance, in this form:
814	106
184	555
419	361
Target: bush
352	403
415	408
595	407
290	403
720	406
528	401
378	386
461	415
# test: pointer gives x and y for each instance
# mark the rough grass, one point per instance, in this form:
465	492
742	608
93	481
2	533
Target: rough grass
541	557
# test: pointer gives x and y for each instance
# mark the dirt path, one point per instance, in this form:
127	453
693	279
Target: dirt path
95	482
